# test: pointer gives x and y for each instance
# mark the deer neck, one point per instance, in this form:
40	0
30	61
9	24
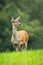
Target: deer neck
14	38
14	31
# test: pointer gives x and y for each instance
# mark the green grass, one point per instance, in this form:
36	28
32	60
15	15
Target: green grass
31	57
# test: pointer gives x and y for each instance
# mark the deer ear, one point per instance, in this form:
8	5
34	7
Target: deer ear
17	18
12	19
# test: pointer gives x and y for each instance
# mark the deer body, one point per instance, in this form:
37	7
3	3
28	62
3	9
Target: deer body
18	37
23	36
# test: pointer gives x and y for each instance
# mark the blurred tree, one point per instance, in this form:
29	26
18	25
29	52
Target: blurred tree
29	10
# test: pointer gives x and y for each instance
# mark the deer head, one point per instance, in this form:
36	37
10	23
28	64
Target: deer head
15	22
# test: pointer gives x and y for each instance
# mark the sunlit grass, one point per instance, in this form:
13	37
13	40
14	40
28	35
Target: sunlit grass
22	58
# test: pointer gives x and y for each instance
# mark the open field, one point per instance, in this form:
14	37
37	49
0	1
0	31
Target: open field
31	57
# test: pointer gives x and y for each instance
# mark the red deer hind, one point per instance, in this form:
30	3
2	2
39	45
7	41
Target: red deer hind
19	39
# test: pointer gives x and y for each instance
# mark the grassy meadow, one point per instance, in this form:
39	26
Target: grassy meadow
30	57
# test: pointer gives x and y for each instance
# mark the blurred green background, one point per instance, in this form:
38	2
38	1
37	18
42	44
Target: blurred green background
31	13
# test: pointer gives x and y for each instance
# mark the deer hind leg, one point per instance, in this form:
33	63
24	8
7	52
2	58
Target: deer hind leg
25	45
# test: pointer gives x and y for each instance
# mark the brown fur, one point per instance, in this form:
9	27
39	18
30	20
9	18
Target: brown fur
23	36
23	39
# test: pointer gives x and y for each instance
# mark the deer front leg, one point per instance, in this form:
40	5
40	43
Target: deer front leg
16	47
